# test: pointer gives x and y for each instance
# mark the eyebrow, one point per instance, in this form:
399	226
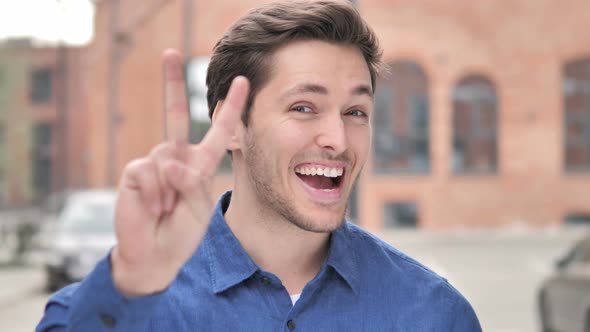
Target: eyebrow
363	89
359	90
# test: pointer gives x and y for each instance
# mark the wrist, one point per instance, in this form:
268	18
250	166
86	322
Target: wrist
130	280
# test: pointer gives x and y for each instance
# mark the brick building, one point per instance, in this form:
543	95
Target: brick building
483	120
42	139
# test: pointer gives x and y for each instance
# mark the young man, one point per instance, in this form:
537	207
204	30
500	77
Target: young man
275	253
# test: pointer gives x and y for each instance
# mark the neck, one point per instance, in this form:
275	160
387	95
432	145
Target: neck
275	244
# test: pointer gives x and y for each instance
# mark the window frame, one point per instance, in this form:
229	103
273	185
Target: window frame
38	77
414	145
571	118
475	132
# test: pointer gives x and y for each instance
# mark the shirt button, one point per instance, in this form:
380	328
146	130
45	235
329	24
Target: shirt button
265	281
291	325
108	320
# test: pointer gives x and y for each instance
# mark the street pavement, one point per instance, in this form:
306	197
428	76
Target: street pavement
21	297
498	271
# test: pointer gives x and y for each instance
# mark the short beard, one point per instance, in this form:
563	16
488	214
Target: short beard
272	201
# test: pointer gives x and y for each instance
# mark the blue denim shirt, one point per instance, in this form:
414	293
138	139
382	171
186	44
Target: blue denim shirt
364	285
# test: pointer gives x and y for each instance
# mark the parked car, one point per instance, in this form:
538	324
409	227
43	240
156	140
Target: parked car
564	298
82	234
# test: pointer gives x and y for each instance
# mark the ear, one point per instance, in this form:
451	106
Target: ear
236	139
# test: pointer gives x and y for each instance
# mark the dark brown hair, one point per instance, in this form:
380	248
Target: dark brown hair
246	48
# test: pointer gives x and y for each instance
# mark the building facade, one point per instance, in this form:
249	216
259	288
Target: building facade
482	120
42	134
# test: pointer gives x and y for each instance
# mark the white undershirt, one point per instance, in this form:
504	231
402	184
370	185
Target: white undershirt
295	297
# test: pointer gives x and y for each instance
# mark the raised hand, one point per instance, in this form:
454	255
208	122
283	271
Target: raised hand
164	205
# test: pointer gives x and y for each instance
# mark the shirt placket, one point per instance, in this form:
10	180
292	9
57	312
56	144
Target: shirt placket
275	297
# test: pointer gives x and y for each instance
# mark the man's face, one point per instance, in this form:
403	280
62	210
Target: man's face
309	133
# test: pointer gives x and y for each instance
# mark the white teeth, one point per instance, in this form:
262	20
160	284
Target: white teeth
327	172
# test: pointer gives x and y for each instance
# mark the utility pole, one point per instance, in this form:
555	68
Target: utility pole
113	106
187	29
61	166
187	39
62	115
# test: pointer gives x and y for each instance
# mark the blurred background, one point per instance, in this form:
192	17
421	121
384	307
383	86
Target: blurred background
480	166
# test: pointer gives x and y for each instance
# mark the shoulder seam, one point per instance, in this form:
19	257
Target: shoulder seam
389	249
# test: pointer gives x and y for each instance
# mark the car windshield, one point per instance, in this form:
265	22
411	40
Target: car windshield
89	216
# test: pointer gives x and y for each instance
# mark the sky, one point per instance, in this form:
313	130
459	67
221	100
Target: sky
69	21
72	22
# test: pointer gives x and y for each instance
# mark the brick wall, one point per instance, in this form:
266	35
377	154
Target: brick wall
62	112
520	46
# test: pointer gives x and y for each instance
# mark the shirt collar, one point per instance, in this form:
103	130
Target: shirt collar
230	264
342	256
228	261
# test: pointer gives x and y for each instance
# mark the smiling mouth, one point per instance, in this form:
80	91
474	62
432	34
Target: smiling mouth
325	179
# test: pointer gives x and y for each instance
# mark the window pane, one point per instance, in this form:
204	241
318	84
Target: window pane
400	214
576	94
3	166
41	85
577	219
401	122
352	211
474	126
42	165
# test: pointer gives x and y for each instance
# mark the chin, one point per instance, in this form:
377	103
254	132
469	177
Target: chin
321	221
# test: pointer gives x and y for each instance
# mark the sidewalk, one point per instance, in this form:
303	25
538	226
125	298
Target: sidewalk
19	282
21	298
510	233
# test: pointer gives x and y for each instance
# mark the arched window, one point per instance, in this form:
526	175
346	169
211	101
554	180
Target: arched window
474	126
576	97
401	141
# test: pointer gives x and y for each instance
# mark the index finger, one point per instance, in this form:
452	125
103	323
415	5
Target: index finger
175	100
220	134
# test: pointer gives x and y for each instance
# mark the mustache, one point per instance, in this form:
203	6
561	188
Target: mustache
345	156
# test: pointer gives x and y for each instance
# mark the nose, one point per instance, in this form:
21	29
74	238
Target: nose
332	135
